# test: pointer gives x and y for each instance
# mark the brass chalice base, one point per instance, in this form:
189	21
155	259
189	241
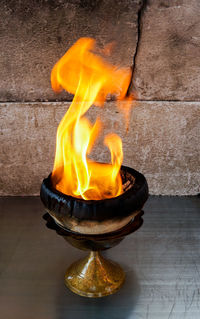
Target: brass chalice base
94	276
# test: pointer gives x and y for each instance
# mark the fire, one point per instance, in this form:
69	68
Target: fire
90	78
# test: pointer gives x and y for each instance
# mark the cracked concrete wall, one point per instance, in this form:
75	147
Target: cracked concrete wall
161	37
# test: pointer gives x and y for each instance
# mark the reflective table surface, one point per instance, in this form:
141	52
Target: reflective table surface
161	261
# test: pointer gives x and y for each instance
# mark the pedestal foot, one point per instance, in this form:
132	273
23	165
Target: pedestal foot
94	276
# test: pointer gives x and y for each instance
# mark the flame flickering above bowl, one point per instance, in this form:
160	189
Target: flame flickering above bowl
92	205
80	194
90	78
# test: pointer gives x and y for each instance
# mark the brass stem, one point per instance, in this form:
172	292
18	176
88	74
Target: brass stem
94	276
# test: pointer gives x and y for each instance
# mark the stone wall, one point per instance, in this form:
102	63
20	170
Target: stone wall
168	60
162	38
35	34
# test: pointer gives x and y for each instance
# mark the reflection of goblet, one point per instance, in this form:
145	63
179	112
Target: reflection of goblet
95	226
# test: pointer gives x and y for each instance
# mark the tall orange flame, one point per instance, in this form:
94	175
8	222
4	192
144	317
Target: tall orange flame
86	75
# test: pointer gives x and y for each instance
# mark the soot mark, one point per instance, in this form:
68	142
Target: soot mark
90	5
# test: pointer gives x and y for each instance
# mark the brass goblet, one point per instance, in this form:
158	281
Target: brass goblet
96	226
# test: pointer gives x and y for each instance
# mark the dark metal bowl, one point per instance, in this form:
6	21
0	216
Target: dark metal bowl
96	216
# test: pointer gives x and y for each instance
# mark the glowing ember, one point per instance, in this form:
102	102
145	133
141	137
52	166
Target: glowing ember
86	75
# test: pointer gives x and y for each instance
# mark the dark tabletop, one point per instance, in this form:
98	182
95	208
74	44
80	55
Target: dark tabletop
161	261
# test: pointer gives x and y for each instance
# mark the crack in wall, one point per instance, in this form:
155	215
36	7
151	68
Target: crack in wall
139	31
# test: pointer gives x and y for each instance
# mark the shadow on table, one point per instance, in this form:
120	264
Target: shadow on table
117	306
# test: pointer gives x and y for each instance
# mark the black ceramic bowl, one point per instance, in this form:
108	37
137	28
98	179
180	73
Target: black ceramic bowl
97	216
